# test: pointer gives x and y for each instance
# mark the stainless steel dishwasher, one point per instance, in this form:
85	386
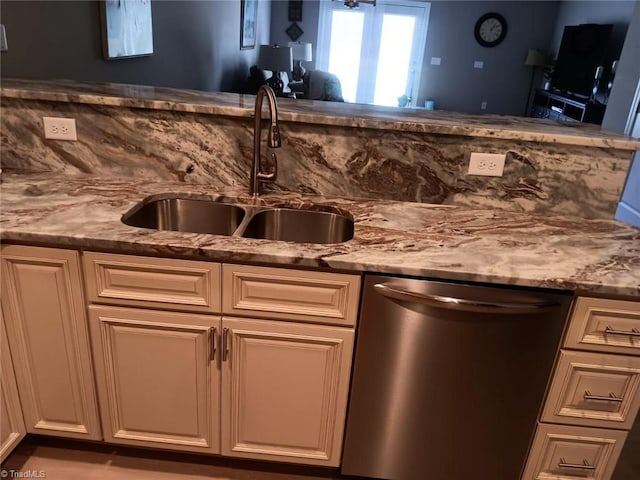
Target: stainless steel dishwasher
449	379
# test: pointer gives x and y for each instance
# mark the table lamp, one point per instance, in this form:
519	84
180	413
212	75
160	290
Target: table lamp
302	52
277	59
535	58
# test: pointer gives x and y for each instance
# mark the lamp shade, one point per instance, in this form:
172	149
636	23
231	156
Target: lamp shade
301	51
275	58
535	58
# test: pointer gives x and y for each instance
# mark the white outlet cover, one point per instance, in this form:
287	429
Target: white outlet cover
59	128
435	60
478	64
486	164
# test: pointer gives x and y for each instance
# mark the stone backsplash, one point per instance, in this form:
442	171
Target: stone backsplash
329	160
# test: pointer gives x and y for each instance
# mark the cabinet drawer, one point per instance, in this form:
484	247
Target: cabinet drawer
561	452
594	390
605	325
306	296
169	284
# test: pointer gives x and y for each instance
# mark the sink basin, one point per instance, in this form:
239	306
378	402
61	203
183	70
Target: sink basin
282	223
301	226
186	215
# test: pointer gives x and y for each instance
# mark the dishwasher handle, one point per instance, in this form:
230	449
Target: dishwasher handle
462	304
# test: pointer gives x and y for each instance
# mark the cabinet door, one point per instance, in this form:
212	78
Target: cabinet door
45	317
158	383
285	388
11	423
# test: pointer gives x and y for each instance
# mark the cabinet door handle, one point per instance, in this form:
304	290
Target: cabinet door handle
580	466
212	343
611	398
225	344
610	331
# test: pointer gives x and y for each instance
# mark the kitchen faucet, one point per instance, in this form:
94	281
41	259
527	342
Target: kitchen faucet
257	175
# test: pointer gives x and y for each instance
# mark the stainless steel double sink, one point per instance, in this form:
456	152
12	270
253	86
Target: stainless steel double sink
309	224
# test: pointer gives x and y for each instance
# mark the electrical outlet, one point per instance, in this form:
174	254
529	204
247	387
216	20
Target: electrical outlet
487	164
483	105
59	128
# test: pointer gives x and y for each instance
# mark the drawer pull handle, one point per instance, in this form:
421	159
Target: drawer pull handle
633	333
611	398
212	342
581	466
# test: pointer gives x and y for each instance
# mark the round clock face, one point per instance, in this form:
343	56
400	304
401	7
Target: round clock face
491	29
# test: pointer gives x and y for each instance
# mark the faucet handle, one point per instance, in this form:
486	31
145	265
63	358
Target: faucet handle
273	174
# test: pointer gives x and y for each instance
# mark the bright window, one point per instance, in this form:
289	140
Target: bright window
376	52
346	31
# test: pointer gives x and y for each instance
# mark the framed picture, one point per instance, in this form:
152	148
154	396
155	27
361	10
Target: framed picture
295	10
294	31
127	29
248	23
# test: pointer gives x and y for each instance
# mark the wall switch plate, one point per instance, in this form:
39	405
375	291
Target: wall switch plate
487	164
435	60
59	128
483	105
478	64
4	47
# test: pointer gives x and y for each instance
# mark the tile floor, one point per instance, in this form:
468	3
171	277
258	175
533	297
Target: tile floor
72	460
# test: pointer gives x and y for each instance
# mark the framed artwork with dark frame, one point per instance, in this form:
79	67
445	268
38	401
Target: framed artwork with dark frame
294	31
248	23
295	10
126	28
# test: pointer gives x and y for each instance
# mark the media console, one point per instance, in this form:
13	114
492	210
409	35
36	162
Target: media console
555	106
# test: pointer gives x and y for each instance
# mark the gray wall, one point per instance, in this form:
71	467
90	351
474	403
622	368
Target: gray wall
504	81
309	25
455	85
619	109
196	44
627	76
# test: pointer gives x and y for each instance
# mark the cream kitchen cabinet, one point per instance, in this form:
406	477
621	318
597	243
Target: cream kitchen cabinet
594	394
12	428
158	382
284	390
44	312
272	386
286	384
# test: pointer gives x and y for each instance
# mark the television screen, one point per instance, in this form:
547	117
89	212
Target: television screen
582	51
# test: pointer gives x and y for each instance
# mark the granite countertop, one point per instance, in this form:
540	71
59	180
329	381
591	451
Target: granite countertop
320	113
599	257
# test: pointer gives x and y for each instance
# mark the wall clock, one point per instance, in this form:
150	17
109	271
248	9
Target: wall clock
490	30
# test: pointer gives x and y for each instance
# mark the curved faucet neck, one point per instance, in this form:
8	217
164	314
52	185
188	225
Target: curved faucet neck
257	175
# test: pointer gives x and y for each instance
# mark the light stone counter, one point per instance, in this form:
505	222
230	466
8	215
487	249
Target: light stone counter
320	113
600	257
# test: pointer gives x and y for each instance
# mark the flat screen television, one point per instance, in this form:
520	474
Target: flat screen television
583	49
